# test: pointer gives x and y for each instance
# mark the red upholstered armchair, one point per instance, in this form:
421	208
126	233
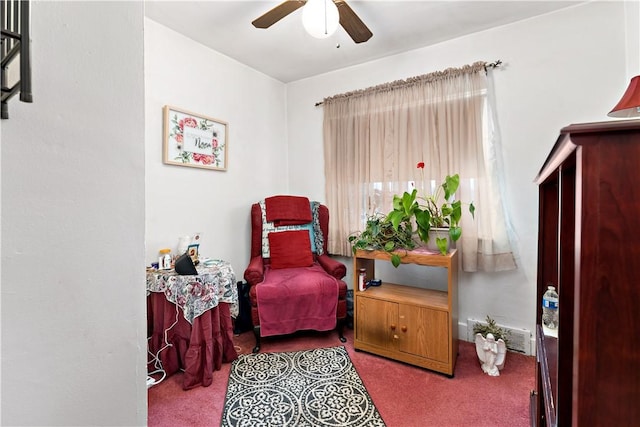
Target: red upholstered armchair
294	284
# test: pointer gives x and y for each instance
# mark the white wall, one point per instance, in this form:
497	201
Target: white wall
561	68
73	300
183	200
632	14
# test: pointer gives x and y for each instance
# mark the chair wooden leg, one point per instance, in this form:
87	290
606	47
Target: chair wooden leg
256	333
341	323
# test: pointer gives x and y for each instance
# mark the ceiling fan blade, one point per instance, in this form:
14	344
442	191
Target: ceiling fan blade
277	13
352	24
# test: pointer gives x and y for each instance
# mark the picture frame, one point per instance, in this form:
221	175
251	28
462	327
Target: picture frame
194	140
192	251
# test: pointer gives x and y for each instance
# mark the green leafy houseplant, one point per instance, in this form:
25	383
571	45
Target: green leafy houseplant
491	328
381	234
439	210
395	230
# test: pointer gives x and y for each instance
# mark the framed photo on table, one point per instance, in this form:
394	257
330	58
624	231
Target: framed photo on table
194	140
193	250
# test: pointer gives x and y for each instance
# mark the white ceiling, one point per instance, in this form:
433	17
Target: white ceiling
286	52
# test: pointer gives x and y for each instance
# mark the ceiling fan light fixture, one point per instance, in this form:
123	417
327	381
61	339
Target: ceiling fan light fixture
320	18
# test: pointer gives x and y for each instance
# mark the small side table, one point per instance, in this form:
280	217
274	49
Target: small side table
189	321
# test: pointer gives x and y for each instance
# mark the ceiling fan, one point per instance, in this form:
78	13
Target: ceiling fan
351	23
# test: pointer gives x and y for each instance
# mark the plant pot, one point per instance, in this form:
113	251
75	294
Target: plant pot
438	233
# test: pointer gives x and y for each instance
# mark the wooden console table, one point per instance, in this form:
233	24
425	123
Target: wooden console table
413	325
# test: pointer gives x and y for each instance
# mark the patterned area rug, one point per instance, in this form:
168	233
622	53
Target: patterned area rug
302	388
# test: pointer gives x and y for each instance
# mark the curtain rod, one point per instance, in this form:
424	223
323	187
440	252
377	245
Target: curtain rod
487	65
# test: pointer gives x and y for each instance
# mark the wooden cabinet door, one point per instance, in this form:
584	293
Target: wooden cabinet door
424	332
375	321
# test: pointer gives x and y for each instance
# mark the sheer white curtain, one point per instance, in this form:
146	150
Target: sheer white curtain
374	139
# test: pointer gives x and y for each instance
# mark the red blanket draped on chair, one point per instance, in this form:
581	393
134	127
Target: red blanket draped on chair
311	297
288	210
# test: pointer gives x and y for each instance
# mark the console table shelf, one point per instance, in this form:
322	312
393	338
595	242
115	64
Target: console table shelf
406	323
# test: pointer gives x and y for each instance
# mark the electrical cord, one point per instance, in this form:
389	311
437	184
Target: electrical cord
155	358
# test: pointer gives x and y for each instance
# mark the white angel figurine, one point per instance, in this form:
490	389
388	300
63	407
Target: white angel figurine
491	353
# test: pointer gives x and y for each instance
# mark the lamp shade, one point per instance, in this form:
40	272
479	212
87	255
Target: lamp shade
320	18
629	105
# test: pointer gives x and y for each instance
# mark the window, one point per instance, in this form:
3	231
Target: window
373	140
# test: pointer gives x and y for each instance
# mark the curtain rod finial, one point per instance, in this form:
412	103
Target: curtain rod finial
494	64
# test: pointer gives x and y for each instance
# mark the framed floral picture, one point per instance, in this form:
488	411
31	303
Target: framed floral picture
194	140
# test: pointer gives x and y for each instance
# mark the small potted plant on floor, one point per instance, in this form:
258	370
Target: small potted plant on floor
491	345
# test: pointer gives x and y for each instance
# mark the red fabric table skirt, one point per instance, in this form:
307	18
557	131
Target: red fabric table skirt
198	349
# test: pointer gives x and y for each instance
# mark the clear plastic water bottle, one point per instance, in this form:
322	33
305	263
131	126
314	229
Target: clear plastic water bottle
550	308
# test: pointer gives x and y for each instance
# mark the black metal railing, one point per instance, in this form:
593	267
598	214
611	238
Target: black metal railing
15	43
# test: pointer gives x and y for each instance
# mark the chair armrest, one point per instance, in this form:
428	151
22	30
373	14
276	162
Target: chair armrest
331	266
254	273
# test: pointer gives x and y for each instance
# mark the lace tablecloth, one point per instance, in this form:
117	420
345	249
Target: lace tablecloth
197	294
